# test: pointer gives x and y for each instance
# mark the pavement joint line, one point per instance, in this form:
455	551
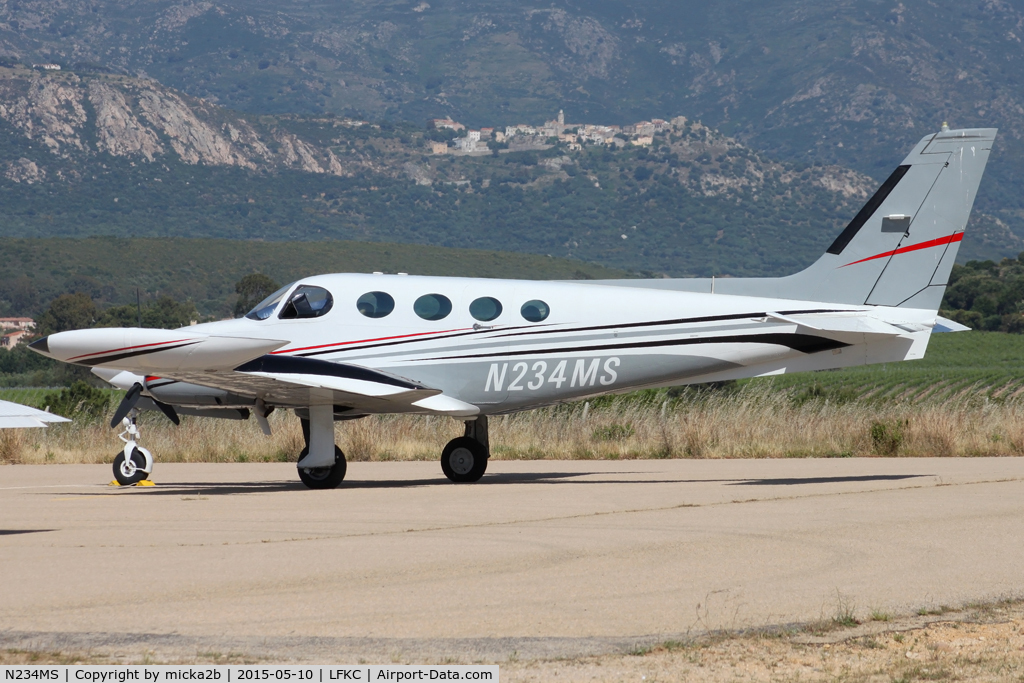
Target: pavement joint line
50	486
604	513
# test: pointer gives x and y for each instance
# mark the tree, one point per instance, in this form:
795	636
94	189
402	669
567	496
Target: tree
164	313
68	312
252	289
79	400
23	296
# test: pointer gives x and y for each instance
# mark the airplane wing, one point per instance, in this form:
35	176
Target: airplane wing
244	367
947	325
291	381
17	416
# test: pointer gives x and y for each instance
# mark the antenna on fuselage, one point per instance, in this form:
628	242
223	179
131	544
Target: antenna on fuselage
138	305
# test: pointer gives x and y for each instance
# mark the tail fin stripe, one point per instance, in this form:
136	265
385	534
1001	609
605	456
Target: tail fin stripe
941	241
867	210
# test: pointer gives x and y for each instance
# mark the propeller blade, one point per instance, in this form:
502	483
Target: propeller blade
169	411
261	413
127	403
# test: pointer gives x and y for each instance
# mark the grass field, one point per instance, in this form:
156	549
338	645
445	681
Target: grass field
963	399
962	364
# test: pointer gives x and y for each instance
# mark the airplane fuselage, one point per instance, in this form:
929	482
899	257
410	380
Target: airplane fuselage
594	339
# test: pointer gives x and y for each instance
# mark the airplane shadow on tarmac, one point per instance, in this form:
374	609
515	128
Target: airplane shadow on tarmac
826	480
231	488
558	478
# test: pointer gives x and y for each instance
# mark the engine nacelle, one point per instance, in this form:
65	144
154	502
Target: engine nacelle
177	393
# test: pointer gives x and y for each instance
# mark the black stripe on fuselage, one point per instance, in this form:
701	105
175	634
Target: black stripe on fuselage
554	329
286	365
131	354
805	343
482	330
676	321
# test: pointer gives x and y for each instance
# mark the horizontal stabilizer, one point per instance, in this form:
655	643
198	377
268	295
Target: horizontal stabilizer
947	325
834	325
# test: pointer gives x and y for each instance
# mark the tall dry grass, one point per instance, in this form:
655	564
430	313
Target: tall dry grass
752	423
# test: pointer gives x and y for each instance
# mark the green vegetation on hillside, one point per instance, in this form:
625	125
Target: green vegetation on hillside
985	295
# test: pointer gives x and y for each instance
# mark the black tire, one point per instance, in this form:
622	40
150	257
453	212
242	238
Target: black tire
130	472
464	460
324	477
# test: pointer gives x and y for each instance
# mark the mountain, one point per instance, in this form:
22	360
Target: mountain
845	86
86	153
791	76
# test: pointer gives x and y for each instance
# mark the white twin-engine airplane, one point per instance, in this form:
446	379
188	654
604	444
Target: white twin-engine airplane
339	347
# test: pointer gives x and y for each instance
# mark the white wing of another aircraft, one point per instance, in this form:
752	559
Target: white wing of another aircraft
16	416
343	346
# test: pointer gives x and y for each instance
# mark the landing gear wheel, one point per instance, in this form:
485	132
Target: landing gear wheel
464	460
323	477
129	471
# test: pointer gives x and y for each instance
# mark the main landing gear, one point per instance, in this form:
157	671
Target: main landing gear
464	459
319	466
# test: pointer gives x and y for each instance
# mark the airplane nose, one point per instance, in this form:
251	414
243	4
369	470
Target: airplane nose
41	346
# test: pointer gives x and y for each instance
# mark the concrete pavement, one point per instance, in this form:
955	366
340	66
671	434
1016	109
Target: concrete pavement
540	558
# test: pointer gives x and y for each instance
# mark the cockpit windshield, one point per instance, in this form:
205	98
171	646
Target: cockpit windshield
265	308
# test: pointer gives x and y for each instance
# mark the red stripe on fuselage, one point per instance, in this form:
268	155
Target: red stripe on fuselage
955	237
366	341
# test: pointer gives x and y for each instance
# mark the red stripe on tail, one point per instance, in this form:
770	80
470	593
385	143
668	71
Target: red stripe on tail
941	241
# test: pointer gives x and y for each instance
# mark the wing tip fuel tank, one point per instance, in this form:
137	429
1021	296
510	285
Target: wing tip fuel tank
152	350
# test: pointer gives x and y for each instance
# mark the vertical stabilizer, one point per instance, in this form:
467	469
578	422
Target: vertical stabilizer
900	247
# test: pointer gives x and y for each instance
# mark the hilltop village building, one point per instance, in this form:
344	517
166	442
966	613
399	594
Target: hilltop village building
575	135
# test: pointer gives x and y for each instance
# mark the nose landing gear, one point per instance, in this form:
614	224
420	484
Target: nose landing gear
464	459
134	463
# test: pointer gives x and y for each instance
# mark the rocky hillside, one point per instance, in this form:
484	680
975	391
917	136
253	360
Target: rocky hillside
74	118
88	153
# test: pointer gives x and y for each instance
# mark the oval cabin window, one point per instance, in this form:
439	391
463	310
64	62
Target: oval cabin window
485	308
375	304
535	310
433	306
